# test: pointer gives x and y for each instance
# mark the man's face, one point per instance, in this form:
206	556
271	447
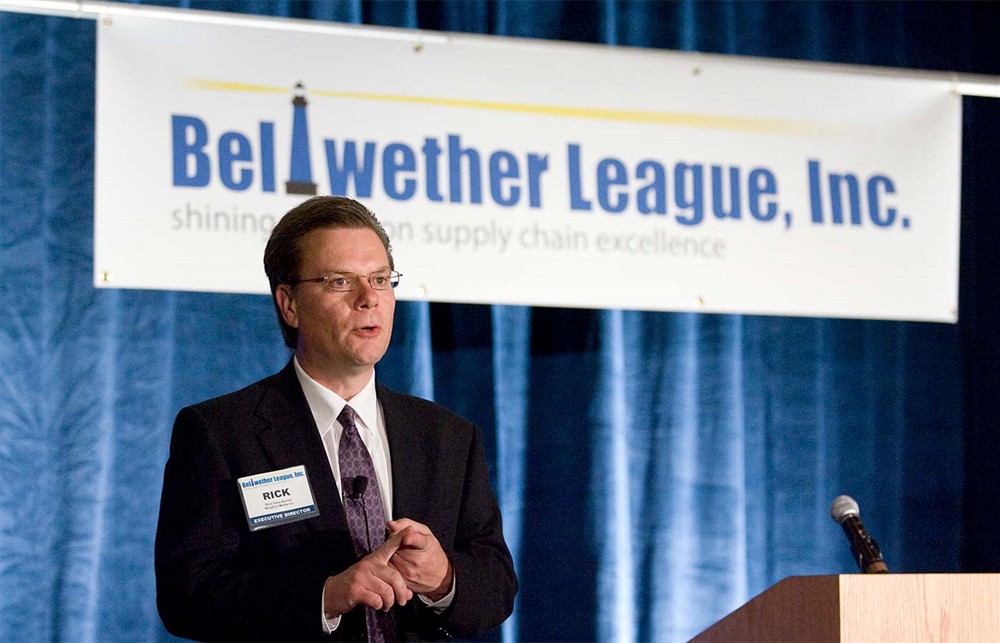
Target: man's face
341	334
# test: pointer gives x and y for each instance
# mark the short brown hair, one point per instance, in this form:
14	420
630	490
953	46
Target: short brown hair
283	253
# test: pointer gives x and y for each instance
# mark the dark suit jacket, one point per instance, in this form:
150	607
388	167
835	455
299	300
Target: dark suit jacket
215	579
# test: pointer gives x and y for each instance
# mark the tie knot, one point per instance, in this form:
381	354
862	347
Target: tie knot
346	417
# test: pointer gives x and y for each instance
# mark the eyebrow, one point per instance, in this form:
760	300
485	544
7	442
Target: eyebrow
340	271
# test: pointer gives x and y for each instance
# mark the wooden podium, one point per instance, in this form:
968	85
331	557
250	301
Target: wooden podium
868	607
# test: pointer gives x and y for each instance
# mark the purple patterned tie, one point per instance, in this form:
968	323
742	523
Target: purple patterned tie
363	506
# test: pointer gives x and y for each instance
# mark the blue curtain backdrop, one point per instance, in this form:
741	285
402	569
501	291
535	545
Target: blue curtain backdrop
655	470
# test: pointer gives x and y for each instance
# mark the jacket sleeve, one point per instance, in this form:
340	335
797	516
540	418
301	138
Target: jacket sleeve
484	571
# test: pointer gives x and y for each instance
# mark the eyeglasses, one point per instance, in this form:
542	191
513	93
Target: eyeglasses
347	281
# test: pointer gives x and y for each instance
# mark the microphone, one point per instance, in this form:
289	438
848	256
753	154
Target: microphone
358	486
845	512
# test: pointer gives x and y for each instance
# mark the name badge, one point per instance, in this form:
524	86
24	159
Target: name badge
277	497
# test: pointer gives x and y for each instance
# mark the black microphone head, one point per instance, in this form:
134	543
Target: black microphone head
842	507
358	486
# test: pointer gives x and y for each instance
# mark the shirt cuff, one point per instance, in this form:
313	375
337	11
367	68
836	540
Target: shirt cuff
442	604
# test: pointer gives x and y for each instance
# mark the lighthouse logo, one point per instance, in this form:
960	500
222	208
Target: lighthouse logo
300	171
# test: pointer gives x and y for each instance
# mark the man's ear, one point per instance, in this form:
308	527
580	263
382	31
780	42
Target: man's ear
286	304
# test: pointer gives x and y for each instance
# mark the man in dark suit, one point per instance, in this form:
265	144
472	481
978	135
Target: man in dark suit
434	566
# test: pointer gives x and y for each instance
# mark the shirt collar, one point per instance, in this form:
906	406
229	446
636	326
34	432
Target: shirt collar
327	405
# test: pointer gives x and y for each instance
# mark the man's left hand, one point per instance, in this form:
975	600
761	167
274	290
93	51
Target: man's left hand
421	560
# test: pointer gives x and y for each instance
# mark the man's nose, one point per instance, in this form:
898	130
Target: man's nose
365	294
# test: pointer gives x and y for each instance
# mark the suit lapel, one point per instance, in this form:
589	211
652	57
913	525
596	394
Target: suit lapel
405	436
289	438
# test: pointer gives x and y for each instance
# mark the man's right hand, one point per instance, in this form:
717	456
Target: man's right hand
371	581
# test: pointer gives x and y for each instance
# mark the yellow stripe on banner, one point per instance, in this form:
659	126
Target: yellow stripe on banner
623	115
226	86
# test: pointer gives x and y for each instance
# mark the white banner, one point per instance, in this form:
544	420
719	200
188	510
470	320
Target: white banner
533	173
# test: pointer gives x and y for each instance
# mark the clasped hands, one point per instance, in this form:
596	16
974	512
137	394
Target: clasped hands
411	561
